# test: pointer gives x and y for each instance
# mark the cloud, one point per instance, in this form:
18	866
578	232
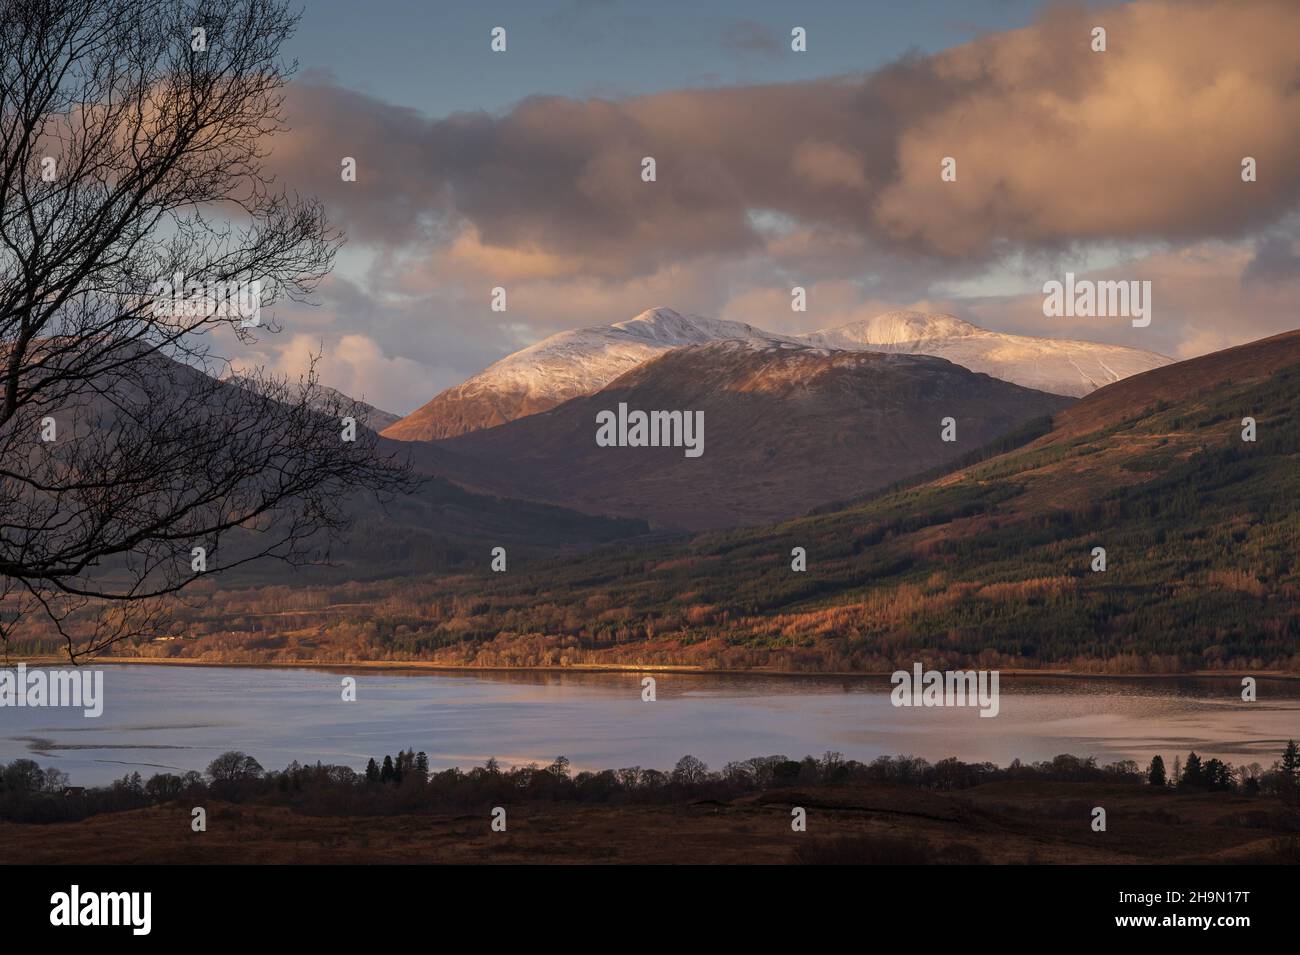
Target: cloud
1276	260
393	350
354	364
830	184
1055	144
1202	300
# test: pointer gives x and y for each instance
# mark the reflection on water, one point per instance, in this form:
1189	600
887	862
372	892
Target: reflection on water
174	718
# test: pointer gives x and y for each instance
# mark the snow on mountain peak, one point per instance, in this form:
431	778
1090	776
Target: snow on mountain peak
895	328
1059	366
582	361
664	326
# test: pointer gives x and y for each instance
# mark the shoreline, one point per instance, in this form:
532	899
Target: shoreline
678	669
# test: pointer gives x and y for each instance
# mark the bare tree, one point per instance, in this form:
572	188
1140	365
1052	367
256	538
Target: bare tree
137	231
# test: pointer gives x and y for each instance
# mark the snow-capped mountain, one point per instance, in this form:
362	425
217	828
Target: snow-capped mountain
771	430
564	366
581	362
1059	366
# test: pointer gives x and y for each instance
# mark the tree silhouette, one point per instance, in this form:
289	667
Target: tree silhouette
1290	762
690	770
234	766
1156	771
1218	775
132	134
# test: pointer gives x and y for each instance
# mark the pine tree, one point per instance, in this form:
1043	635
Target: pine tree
1290	764
1217	775
422	763
372	771
386	774
1156	772
1193	774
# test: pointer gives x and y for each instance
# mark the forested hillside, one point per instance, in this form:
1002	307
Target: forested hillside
990	563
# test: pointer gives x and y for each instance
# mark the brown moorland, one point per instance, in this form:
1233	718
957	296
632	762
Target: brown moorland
1020	822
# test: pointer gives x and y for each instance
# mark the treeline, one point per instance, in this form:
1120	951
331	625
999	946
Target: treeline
405	784
1214	775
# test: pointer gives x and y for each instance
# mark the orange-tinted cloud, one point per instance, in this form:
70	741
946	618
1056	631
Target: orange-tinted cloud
833	185
1054	144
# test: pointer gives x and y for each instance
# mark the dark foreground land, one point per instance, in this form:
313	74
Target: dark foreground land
1020	822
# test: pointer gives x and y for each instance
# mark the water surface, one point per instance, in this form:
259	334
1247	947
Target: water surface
177	718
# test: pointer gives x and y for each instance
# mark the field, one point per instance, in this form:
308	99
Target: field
999	823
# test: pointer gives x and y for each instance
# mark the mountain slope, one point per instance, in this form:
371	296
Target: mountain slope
581	362
376	419
990	565
786	427
1253	362
564	366
439	526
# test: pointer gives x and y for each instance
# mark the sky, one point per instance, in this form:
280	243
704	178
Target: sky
775	168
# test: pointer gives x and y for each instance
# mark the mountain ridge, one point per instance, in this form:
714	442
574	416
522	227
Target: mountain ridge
989	564
579	362
993	562
788	426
